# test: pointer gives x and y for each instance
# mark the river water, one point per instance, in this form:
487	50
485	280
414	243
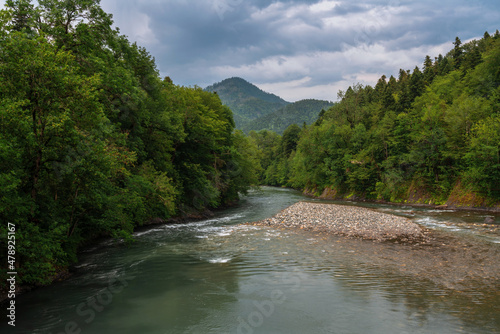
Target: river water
217	276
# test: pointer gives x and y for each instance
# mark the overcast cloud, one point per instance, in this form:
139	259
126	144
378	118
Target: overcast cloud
297	49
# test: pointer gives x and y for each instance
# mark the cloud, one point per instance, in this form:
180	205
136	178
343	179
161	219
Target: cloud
322	74
299	89
297	48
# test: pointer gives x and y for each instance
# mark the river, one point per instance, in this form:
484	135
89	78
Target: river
218	276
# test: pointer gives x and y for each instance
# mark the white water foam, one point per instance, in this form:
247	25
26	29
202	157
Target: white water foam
136	263
220	260
224	233
427	221
138	234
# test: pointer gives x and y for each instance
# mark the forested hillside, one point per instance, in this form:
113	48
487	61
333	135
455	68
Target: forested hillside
93	143
300	112
246	100
427	136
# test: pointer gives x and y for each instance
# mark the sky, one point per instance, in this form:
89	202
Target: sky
298	49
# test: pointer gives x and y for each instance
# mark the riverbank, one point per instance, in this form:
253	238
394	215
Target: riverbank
63	273
459	199
450	260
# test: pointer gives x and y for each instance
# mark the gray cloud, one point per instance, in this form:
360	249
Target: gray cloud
297	49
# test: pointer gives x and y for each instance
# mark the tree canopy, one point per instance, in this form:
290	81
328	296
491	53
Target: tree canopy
93	142
428	135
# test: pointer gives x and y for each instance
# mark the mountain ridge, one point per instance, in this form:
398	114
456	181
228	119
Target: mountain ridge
246	100
255	109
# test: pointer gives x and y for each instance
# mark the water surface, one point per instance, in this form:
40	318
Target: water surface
217	276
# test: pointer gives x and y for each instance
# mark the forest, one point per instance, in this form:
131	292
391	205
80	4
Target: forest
94	143
429	136
300	112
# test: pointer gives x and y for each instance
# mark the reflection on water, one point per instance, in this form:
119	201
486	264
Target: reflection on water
216	276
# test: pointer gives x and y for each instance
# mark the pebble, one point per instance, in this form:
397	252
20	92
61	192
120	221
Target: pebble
348	221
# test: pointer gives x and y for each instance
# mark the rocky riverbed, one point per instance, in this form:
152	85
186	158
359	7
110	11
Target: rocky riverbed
348	221
450	260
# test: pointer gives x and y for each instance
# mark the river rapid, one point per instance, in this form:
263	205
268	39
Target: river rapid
221	276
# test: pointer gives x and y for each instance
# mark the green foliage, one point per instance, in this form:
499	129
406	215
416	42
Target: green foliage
421	133
267	144
204	160
304	111
93	143
484	156
245	164
51	116
275	154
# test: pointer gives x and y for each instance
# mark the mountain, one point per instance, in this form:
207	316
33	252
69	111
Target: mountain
247	101
304	111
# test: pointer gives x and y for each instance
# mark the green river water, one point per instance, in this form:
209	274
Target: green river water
217	276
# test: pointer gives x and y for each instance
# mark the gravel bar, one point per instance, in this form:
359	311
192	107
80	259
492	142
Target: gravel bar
348	221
